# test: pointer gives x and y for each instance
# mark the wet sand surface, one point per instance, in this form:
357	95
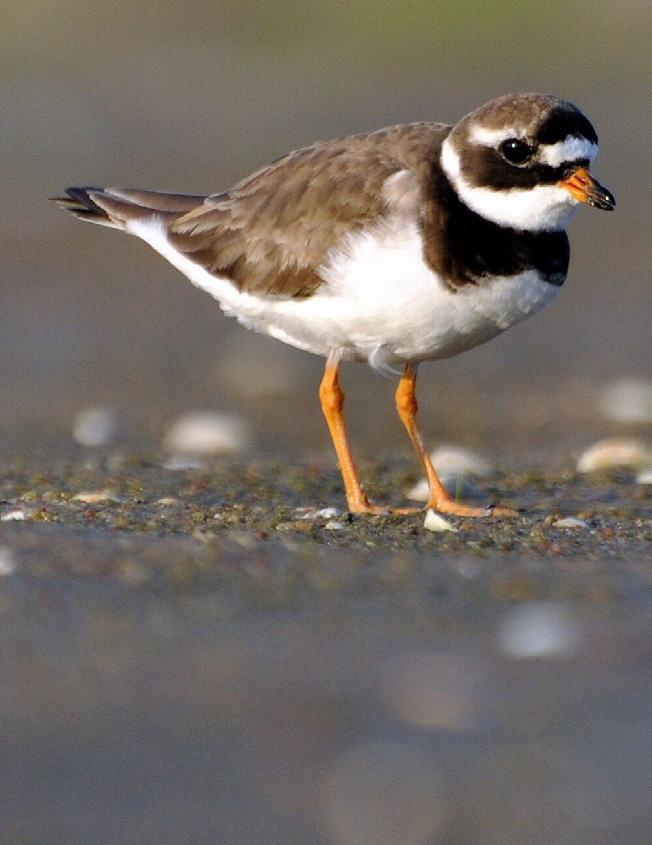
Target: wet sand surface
188	658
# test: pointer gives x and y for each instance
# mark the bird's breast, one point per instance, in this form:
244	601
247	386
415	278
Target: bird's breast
383	292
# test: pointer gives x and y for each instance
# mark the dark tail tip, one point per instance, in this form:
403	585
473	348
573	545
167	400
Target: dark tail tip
79	199
80	203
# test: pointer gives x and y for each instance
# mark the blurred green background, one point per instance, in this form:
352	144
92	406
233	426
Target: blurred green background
191	96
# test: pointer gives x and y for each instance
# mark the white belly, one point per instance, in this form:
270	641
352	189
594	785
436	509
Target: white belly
380	301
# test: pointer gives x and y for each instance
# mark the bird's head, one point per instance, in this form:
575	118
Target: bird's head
522	161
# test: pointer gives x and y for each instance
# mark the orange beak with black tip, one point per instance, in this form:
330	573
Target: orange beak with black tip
585	188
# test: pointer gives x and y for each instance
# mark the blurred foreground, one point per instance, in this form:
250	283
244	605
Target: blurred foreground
188	658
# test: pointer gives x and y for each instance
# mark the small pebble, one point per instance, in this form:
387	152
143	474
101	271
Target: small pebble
419	492
167	501
435	522
570	522
454	466
540	629
93	497
334	525
645	476
183	462
8	563
625	452
206	433
13	516
627	401
97	427
455	460
323	513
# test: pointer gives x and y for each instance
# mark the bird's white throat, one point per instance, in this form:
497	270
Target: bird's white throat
537	209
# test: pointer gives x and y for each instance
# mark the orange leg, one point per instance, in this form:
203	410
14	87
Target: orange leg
332	402
439	500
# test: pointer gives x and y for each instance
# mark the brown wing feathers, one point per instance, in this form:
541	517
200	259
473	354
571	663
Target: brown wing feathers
271	232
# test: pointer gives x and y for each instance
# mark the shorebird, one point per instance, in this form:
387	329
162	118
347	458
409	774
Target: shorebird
407	244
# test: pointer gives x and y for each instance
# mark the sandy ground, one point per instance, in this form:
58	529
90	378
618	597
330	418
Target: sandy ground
214	667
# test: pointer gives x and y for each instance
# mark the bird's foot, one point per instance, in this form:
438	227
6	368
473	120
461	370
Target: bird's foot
442	506
364	506
458	509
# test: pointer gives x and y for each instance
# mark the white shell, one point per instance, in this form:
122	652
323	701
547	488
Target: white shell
206	433
614	452
435	522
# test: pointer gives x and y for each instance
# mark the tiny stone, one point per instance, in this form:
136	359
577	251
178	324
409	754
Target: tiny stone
419	492
93	497
14	516
627	401
167	500
183	462
8	563
645	476
615	452
455	461
334	525
206	433
540	630
455	467
96	427
323	513
434	522
570	522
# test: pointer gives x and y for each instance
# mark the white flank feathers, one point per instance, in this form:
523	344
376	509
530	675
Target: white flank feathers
380	301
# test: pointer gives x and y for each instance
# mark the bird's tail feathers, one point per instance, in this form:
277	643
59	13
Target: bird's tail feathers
116	207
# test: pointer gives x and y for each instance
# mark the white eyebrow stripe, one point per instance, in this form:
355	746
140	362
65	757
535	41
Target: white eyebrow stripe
569	150
492	137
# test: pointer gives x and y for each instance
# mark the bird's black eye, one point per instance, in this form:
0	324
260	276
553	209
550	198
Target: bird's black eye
515	151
